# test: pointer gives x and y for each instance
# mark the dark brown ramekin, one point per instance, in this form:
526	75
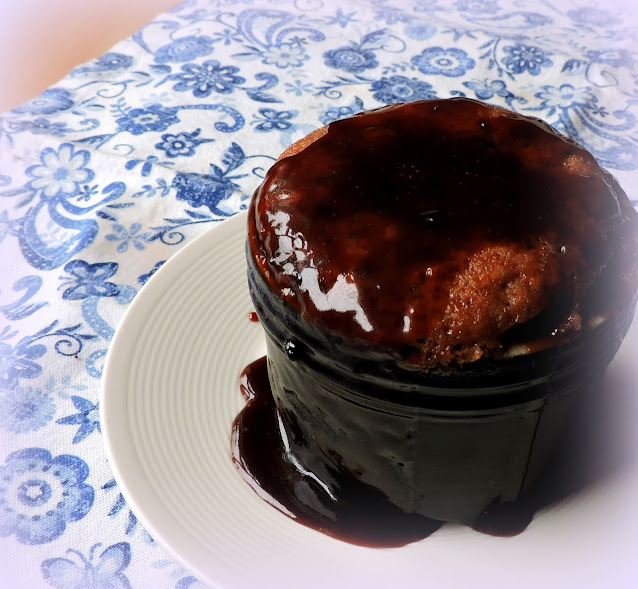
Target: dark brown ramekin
442	446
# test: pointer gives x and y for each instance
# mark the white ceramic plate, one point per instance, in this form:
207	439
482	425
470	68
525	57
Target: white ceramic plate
171	392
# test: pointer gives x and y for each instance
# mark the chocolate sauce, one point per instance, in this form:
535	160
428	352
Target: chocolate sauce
433	228
360	514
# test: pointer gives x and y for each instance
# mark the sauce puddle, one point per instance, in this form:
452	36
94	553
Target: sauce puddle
360	514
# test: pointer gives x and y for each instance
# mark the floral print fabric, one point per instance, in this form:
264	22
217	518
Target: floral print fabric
107	174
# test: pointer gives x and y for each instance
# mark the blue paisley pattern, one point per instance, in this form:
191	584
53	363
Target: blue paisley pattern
133	154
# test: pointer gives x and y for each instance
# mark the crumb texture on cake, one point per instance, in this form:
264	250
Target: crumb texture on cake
444	231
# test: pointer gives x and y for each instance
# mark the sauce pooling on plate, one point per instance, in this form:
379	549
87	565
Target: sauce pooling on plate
360	514
437	228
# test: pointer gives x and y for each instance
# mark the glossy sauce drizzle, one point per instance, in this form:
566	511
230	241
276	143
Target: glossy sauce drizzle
434	228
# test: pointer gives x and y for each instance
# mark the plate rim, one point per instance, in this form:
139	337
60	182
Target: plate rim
184	257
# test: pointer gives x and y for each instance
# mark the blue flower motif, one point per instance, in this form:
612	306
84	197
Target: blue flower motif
203	189
44	126
87	192
451	62
207	78
335	113
270	119
401	89
477	6
88	418
227	36
525	58
341	18
420	31
590	15
613	57
61	172
185	49
106	573
298	88
182	144
565	97
144	278
40	494
50	101
485	90
128	236
142	120
285	55
25	409
110	61
351	59
90	280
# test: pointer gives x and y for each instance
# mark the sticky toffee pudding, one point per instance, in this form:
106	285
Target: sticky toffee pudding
439	282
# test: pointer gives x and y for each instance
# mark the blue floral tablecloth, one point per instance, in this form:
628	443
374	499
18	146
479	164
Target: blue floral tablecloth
107	174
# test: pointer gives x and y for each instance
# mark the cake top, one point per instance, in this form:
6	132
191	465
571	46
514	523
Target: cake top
445	230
